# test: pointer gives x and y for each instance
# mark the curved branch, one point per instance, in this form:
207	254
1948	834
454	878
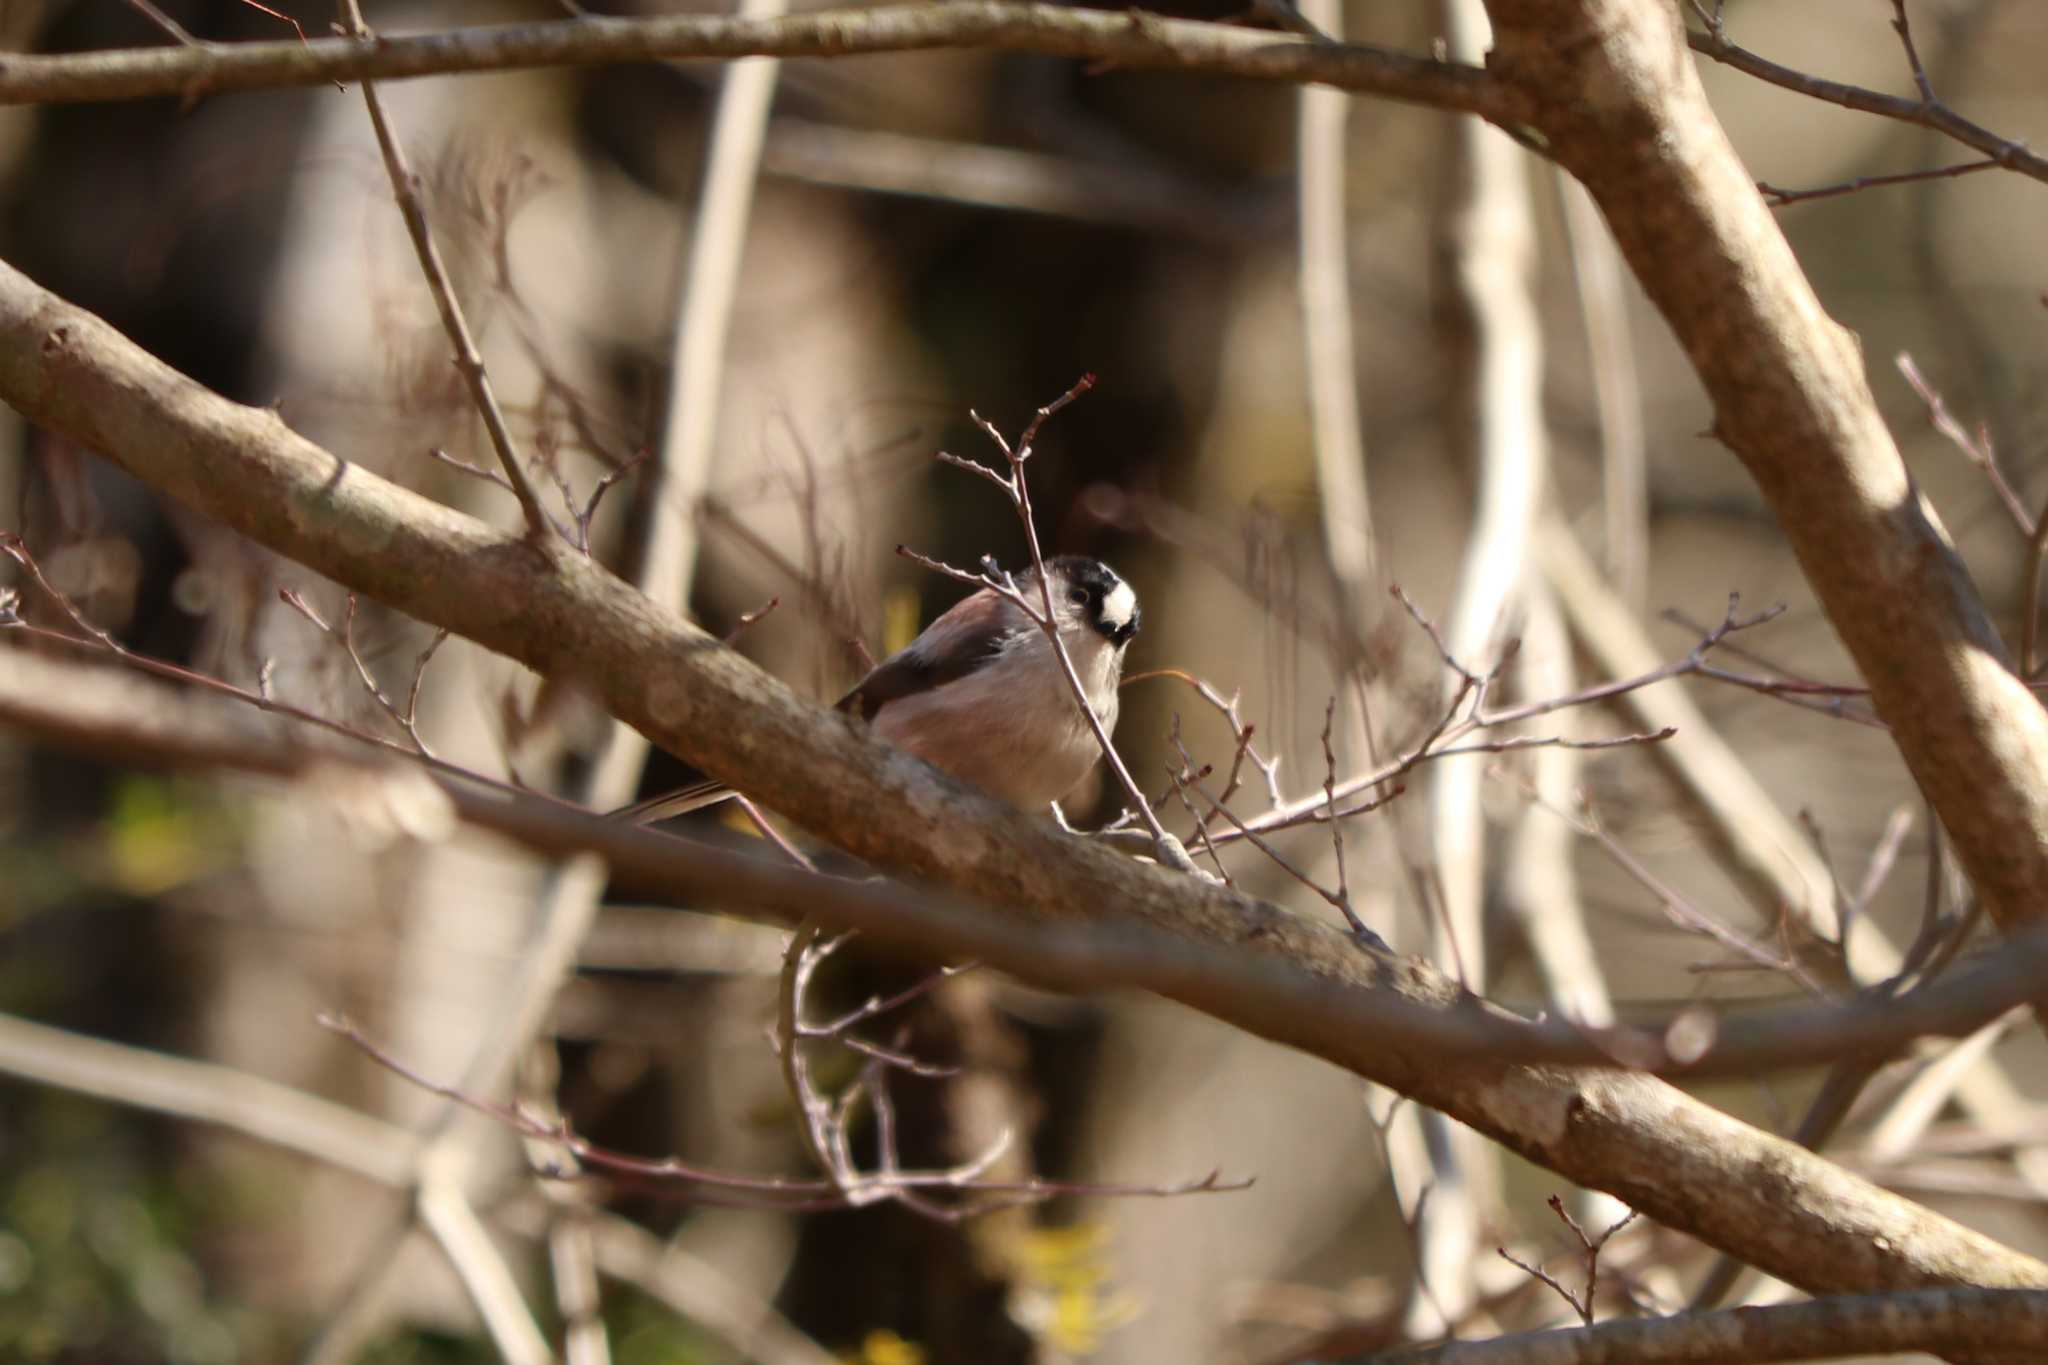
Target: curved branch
1131	39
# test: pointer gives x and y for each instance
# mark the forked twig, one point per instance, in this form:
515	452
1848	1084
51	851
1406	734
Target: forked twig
1243	733
1340	900
406	717
1581	1303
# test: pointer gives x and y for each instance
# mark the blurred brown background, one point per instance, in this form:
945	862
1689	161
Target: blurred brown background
931	233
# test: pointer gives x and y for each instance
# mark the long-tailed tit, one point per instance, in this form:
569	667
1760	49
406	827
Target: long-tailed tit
980	693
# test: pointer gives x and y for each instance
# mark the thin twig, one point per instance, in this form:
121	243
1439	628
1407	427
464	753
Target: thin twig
1336	826
748	618
1976	448
1180	778
1905	32
610	479
284	18
879	1005
406	718
1582	1303
1243	733
405	187
1924	112
1875	873
156	16
557	1131
1829	699
1466	714
1342	903
773	835
99	641
1682	911
1777	196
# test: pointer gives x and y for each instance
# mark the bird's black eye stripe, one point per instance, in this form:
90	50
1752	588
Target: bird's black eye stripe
1078	596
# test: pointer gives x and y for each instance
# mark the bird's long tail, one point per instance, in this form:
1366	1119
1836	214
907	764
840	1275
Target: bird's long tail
680	801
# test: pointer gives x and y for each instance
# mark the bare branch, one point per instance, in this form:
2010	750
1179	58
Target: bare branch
1336	827
1778	196
1243	733
1925	112
1142	41
1341	902
1466	714
1937	1320
1792	400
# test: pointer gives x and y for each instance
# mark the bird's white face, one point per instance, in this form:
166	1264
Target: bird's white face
1092	599
1119	608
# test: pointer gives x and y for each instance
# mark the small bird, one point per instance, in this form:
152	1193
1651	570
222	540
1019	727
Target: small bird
980	693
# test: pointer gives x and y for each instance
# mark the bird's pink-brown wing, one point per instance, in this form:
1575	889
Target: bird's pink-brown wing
950	648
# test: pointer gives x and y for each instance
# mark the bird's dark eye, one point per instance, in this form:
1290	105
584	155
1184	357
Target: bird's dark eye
1078	596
